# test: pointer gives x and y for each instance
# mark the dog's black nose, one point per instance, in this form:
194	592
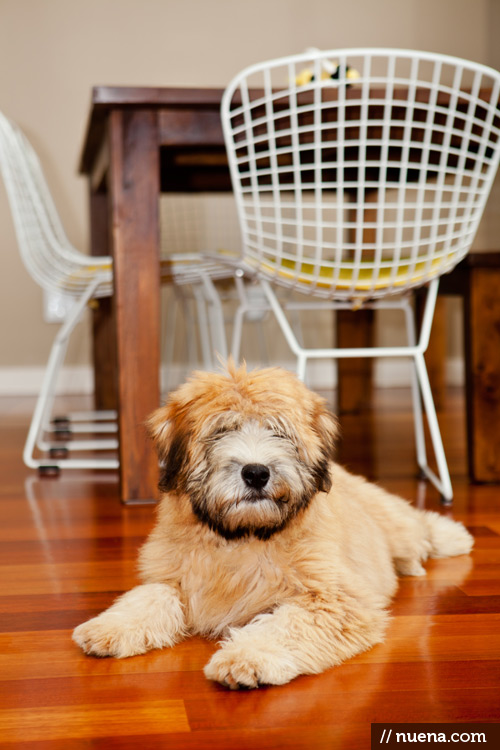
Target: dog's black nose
255	475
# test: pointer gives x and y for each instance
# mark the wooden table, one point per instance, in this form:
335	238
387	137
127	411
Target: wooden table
477	280
139	142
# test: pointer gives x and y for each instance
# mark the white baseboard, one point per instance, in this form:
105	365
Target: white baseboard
397	374
26	381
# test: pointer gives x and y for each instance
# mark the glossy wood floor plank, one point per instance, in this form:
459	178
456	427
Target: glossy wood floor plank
89	720
68	548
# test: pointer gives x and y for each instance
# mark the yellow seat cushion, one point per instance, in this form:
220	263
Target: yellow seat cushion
364	281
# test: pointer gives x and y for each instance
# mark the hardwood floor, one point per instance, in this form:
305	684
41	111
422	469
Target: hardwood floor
68	548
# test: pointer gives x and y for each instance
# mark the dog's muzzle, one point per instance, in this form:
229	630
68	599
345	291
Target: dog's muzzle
255	476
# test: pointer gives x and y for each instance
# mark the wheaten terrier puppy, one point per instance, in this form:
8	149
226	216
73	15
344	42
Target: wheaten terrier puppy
262	539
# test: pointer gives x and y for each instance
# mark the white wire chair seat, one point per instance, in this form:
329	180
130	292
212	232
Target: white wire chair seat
348	281
57	266
355	189
189	268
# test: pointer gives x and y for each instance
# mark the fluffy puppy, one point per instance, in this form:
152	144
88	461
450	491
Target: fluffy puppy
262	539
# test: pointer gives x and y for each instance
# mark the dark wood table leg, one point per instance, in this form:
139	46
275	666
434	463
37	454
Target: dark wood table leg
482	358
357	329
355	386
103	325
134	194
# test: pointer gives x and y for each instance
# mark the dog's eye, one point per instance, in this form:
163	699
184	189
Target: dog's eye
279	428
281	435
218	433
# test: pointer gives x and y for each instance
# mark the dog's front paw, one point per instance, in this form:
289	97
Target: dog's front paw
149	616
240	667
109	635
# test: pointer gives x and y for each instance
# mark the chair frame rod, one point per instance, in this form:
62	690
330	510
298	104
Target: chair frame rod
420	379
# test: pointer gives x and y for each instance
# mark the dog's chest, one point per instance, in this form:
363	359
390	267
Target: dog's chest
229	586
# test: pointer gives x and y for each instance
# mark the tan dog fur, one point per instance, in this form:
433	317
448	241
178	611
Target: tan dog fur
295	576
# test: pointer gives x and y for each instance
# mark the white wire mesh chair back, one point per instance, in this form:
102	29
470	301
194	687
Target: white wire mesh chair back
358	187
46	252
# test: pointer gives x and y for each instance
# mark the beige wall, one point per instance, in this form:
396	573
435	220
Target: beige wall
53	51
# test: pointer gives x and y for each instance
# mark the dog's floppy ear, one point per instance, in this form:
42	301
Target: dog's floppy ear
170	443
326	426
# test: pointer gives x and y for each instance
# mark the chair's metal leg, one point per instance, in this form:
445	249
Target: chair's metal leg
257	310
415	390
239	316
243	308
56	357
55	362
296	323
237	333
285	326
169	339
301	367
203	326
282	320
216	319
428	316
43	404
192	341
443	482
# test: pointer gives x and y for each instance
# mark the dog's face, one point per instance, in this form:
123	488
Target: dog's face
250	450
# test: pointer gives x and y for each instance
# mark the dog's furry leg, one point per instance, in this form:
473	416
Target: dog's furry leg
147	617
448	538
295	639
431	535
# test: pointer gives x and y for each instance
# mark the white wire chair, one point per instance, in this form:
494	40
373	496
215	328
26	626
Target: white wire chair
51	260
194	278
191	224
356	188
56	266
